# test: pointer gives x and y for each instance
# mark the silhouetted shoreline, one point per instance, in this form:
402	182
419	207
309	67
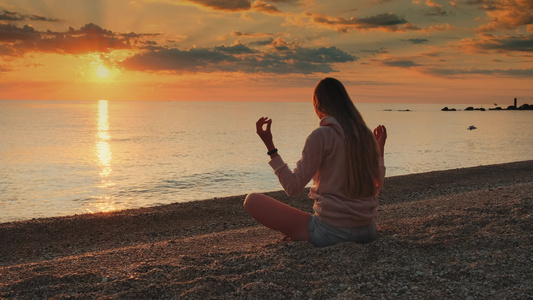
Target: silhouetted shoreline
511	107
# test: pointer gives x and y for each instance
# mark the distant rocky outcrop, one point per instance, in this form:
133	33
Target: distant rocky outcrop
510	107
524	106
477	108
448	109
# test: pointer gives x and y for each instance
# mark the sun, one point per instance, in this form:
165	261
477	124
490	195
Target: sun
102	71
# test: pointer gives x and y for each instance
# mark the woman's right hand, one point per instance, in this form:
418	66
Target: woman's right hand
380	134
265	133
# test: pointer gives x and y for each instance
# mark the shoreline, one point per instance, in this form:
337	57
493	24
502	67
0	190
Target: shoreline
461	232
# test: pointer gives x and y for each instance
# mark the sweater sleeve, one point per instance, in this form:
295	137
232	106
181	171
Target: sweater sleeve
295	181
382	171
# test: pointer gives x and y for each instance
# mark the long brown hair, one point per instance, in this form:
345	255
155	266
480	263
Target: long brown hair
362	169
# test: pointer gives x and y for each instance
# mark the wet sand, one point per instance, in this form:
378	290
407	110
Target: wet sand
463	233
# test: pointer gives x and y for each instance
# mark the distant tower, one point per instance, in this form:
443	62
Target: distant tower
515	102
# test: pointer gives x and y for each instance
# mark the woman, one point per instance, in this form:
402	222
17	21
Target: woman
344	159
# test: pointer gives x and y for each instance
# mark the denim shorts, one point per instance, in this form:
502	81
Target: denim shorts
323	235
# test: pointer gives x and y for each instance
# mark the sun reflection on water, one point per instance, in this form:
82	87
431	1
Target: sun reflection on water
105	203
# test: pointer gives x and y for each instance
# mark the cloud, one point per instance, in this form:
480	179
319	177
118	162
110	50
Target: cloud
263	43
385	21
487	5
285	1
400	63
261	5
225	5
490	43
12	33
238	5
435	9
418	41
192	60
235	49
506	14
450	72
293	59
249	34
90	38
381	50
15	16
240	34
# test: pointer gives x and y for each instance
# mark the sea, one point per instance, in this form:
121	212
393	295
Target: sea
61	158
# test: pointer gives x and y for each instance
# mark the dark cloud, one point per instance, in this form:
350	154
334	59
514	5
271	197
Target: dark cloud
263	43
385	21
501	72
90	38
227	5
235	49
192	60
284	1
521	43
15	16
239	58
249	34
485	4
238	5
12	33
418	41
91	28
400	63
377	51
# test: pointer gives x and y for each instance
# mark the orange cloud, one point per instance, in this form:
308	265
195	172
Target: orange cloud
507	14
261	5
435	9
440	27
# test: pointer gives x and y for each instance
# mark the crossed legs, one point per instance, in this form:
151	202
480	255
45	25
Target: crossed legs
278	216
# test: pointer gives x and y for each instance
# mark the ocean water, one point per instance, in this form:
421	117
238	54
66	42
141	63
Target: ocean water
66	157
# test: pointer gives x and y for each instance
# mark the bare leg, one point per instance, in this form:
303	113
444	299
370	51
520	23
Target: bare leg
278	216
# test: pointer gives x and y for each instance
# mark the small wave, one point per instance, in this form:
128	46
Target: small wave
204	180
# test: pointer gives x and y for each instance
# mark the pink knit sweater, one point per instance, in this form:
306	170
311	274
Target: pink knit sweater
323	160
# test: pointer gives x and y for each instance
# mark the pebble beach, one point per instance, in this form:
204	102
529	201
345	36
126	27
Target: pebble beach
454	234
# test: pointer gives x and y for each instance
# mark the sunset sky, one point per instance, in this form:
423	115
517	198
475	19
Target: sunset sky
460	51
